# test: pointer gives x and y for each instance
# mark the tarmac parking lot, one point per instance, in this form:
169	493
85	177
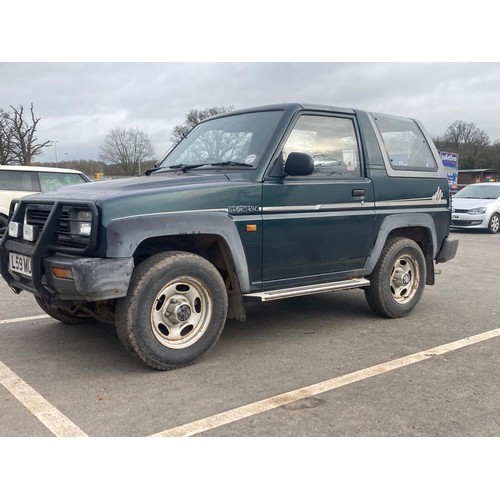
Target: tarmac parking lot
317	366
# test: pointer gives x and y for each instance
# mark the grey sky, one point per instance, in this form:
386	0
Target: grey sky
80	102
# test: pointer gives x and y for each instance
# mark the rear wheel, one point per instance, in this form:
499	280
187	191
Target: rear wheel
175	310
398	280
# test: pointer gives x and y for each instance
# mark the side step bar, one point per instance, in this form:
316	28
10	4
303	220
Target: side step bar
286	293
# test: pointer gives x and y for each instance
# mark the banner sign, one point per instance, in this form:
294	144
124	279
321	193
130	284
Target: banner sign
450	163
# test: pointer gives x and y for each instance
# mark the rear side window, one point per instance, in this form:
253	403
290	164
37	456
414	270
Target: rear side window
405	143
54	181
12	180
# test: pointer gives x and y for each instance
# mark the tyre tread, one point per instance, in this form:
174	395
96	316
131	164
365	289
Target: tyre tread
376	294
124	321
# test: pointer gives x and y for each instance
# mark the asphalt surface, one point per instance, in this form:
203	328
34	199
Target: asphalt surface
84	375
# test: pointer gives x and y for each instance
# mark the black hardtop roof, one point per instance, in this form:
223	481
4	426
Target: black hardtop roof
287	107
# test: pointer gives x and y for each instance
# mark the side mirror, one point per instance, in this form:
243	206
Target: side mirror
299	164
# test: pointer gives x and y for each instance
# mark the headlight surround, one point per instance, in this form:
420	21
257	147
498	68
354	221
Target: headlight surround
477	211
83	224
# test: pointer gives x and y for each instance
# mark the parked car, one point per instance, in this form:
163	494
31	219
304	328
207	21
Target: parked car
477	206
254	205
18	181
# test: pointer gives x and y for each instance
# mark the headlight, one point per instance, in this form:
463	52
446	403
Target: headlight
476	211
83	223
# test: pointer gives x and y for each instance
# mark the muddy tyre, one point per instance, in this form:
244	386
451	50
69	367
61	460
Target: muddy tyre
398	280
174	311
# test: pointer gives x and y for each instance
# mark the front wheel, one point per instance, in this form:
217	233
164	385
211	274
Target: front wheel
494	224
398	280
174	312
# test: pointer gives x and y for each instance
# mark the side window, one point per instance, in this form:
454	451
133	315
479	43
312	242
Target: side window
405	143
11	180
54	181
332	143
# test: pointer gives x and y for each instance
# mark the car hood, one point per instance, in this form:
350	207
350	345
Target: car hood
467	203
98	190
159	194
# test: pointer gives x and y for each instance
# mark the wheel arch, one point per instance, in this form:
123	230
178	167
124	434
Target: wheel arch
417	227
212	236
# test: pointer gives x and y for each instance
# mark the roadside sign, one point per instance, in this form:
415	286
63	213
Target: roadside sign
450	163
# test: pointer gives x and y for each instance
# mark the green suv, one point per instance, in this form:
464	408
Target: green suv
253	205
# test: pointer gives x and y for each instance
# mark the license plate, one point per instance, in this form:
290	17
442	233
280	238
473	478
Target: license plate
20	264
455	217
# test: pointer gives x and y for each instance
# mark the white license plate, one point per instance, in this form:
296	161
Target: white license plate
455	217
20	264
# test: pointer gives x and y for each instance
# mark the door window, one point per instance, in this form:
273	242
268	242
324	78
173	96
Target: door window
11	180
332	143
54	181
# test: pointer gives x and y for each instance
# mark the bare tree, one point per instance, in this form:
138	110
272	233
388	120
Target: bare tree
126	147
466	136
7	150
193	117
470	142
23	134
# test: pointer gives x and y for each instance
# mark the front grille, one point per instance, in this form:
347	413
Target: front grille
465	223
37	215
461	210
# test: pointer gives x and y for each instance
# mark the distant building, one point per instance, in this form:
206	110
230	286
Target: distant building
466	177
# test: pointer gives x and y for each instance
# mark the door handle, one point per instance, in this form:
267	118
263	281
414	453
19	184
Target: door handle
358	193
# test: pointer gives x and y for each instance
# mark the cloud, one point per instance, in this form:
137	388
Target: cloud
80	102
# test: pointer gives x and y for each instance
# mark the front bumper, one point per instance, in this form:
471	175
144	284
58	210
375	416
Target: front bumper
93	279
87	279
55	261
467	221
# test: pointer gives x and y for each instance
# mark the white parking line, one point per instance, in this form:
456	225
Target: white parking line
48	414
227	417
26	318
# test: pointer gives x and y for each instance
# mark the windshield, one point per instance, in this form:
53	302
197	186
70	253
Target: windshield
482	191
231	141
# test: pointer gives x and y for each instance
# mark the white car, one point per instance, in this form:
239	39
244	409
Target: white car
477	206
18	181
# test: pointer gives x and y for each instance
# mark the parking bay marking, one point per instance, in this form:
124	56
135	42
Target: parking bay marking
26	318
46	413
227	417
61	426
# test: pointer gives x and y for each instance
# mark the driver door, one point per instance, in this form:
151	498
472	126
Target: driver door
318	227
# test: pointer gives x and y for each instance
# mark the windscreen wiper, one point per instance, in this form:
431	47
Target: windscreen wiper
168	167
185	167
219	164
